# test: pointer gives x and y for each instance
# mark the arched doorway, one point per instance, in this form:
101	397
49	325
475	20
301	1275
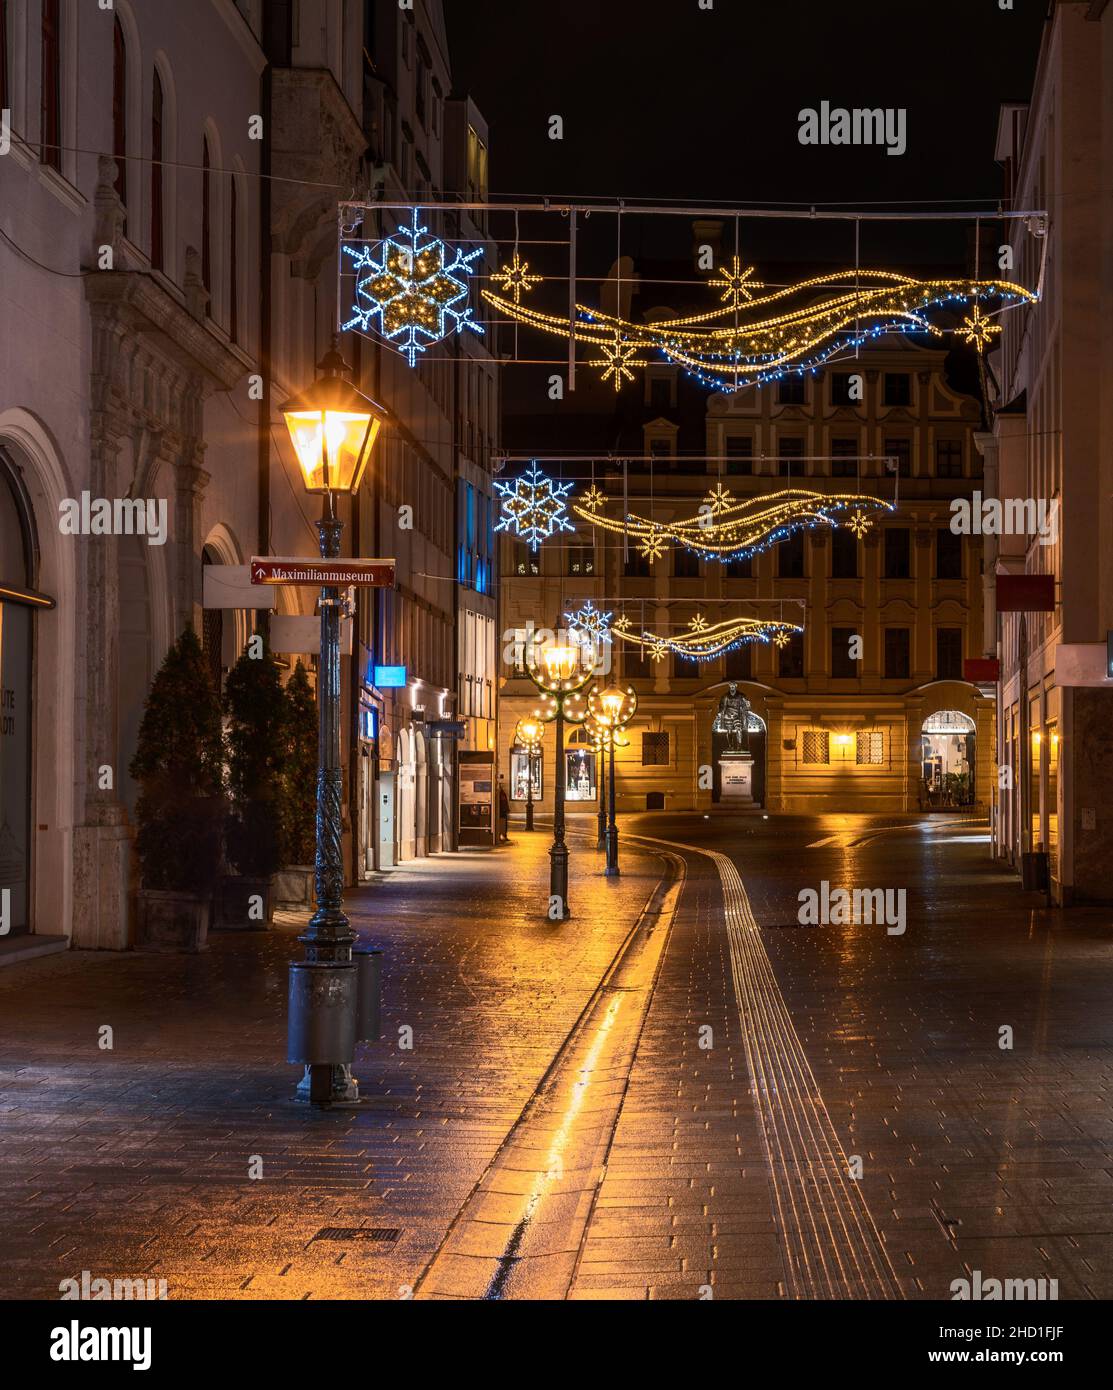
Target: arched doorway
756	738
947	767
407	824
18	603
421	795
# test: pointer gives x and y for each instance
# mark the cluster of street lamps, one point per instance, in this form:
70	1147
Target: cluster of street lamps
562	670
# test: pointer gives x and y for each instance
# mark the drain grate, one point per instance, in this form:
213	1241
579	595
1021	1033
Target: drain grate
383	1235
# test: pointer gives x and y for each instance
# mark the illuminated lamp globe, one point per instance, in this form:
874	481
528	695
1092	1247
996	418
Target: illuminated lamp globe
333	428
560	661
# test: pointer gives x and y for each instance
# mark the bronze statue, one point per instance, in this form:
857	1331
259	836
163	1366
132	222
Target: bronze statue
732	719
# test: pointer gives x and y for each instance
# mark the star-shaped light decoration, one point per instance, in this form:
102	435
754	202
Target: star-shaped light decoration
658	649
698	623
781	637
978	330
592	622
515	278
652	547
593	499
719	497
617	360
859	523
412	288
621	624
737	284
533	506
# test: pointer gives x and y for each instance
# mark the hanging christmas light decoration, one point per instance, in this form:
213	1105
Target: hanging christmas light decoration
515	278
726	529
533	506
707	641
749	340
978	330
591	622
411	287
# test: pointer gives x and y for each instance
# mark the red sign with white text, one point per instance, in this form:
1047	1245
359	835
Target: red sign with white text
374	574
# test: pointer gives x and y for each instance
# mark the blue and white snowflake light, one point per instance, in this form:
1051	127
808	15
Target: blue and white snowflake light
411	287
533	506
592	622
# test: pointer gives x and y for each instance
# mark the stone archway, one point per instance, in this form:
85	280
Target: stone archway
948	776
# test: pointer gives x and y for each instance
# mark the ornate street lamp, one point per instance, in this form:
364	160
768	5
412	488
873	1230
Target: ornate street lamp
560	670
333	428
529	734
601	740
612	709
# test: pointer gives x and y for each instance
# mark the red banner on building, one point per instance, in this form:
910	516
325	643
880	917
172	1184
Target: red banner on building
269	569
981	670
1025	593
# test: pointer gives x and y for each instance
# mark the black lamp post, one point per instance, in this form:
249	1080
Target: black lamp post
333	428
529	734
560	671
612	709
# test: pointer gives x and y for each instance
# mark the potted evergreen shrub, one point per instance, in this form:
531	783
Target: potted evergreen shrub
255	709
294	883
178	765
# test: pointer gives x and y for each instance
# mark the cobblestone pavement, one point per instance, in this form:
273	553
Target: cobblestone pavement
668	1096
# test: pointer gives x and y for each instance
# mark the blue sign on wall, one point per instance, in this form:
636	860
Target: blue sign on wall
389	677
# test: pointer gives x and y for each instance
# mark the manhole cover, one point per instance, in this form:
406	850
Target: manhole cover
385	1235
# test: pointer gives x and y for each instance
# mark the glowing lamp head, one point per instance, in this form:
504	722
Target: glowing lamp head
612	701
560	661
529	731
333	428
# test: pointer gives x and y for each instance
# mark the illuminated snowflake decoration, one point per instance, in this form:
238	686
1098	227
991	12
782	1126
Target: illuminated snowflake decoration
859	523
719	498
533	507
590	622
652	547
736	284
593	498
514	278
409	284
978	330
617	360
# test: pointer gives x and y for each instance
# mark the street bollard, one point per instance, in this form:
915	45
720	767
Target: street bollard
369	993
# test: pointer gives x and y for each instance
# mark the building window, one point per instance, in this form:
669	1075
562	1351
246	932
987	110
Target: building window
790	557
844	458
742	568
898	389
840	388
655	750
636	566
635	661
119	111
206	220
660	393
739	455
685	564
843	666
738	662
50	151
816	746
581	559
234	261
661	448
156	173
948	653
526	767
844	554
790	452
525	560
897	652
900	450
898	552
870	746
790	657
948	458
948	554
579	775
790	391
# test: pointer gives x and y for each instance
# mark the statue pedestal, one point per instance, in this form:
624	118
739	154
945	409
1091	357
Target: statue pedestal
736	779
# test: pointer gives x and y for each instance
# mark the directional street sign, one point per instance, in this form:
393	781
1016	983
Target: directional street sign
270	569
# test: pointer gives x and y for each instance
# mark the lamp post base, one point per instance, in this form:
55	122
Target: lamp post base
612	852
529	815
327	1083
558	881
601	840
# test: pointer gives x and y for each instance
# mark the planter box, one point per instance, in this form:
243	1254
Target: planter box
235	910
293	889
173	921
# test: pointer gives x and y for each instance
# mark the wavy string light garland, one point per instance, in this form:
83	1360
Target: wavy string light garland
704	641
756	346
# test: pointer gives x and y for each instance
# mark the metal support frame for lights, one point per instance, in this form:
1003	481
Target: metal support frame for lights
333	428
612	709
560	671
529	734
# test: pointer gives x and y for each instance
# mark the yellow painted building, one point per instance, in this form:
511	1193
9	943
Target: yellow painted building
867	710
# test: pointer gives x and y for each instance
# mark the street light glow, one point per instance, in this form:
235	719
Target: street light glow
333	428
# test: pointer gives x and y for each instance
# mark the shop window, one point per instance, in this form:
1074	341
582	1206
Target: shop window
520	774
579	775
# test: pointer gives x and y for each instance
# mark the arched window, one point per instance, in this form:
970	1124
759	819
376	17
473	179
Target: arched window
156	172
206	219
50	127
119	111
